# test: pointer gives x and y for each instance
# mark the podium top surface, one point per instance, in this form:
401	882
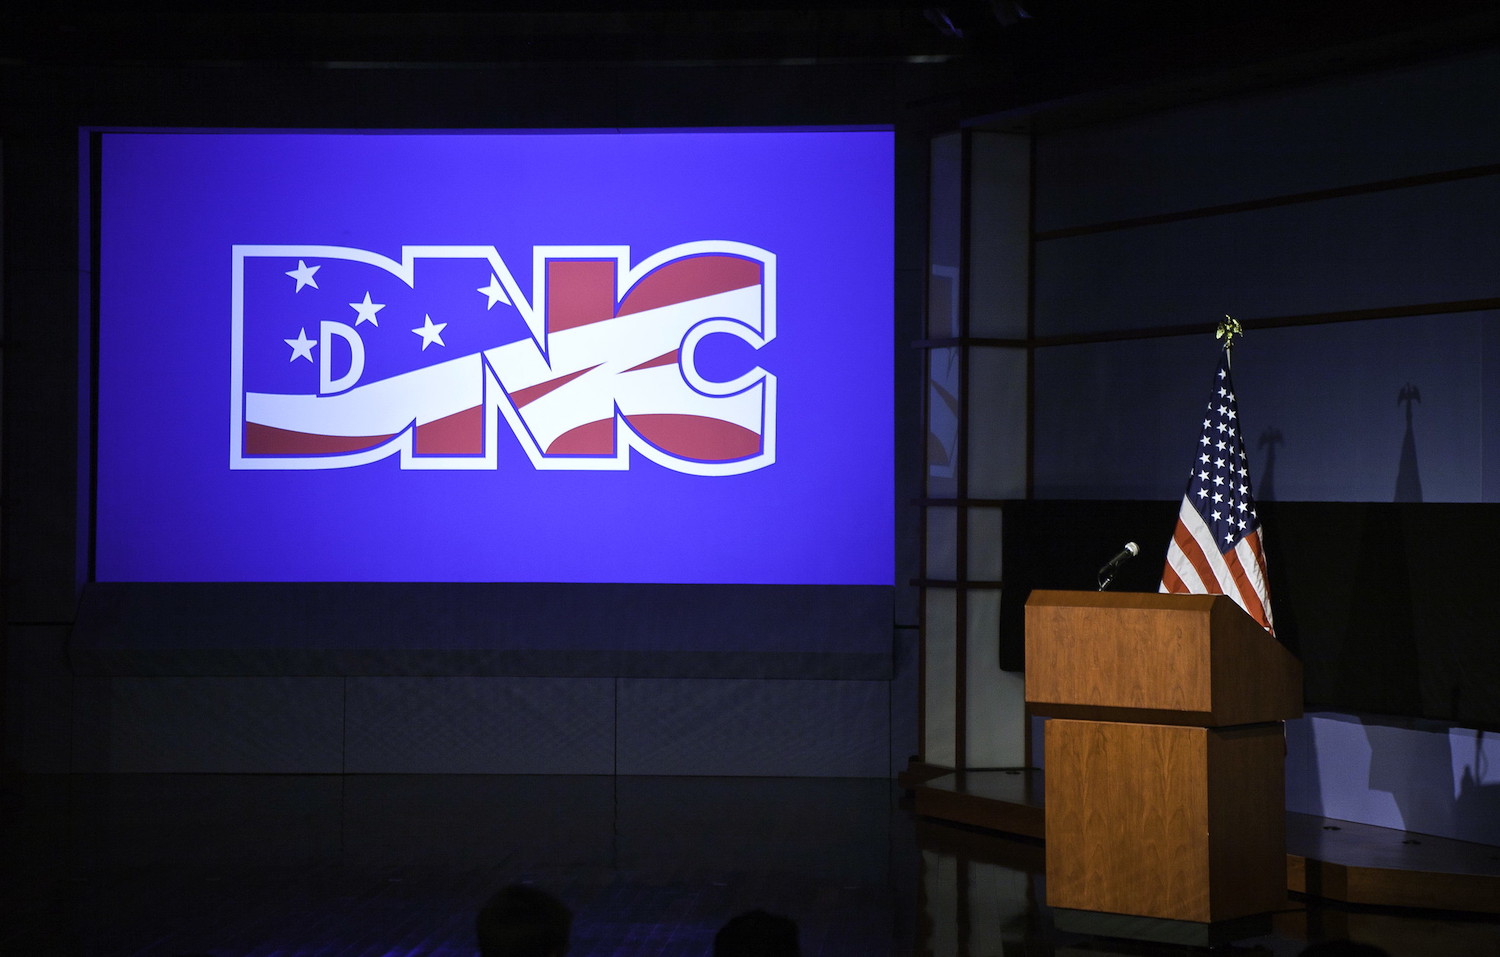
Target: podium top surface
1155	658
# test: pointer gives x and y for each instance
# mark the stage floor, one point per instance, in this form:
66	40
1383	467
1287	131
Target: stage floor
256	866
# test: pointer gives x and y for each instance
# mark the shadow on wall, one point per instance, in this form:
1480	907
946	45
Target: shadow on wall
1440	777
1414	765
1271	437
1403	773
1477	811
1408	476
1414	774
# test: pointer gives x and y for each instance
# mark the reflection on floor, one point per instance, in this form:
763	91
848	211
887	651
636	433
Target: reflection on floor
397	865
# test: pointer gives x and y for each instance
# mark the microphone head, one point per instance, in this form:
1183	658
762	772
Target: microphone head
1133	549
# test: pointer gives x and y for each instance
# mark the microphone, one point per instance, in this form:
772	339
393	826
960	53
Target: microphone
1107	573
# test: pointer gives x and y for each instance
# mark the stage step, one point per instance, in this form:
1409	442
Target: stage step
1330	859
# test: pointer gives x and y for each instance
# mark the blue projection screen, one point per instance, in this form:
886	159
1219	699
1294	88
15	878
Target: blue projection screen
615	357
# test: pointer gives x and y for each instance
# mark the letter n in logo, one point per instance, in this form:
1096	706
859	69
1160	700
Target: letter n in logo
619	365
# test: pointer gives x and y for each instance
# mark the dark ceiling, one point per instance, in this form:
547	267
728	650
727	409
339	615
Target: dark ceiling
463	31
997	55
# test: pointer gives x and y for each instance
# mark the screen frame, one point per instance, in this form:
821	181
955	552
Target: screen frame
92	141
843	632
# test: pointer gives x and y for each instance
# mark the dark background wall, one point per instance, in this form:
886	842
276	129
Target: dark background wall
1351	221
227	678
1350	224
1324	174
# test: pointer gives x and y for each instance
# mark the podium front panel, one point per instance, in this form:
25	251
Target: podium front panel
1172	822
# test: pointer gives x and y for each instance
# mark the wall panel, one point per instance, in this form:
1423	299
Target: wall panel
940	677
997	424
999	235
38	699
1427	244
995	699
753	728
1320	407
480	725
196	725
944	236
1343	132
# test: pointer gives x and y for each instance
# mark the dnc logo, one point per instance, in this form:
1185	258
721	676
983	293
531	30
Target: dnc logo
343	357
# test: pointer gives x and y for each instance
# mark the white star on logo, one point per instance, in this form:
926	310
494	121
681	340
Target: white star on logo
302	346
494	292
431	332
304	275
367	310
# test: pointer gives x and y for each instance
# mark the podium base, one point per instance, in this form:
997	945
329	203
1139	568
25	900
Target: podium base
1158	930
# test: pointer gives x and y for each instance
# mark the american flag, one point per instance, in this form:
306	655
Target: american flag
1216	548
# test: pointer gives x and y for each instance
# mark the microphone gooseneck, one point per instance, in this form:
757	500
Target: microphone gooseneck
1107	573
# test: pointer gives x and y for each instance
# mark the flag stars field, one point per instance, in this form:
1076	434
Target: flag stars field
304	275
494	292
302	346
431	332
366	311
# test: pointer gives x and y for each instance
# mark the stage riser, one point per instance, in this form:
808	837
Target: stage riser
1326	859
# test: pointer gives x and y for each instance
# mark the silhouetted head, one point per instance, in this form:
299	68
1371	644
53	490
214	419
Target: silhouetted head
757	934
523	921
1342	948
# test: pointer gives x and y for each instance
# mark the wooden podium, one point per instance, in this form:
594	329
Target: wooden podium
1165	778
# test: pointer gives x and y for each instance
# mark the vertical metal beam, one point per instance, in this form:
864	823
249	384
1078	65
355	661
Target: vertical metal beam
961	460
1030	420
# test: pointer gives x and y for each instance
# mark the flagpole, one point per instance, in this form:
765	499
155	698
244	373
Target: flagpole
1227	330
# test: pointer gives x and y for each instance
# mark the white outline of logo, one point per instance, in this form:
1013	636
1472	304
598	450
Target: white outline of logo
755	324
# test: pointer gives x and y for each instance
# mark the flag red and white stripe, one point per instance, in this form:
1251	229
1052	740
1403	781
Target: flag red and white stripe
1216	547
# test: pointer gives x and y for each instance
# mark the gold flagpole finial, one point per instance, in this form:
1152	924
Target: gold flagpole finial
1227	330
